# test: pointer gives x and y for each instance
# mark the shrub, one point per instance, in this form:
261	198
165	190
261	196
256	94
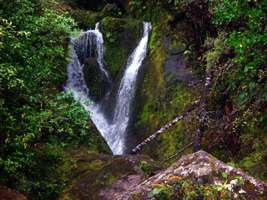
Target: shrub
36	121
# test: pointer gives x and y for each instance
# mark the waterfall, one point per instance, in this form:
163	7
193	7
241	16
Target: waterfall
91	44
114	131
126	91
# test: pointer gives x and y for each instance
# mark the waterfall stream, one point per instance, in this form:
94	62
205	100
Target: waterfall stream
90	43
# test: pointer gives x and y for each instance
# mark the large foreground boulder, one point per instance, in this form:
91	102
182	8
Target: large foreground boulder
198	176
100	176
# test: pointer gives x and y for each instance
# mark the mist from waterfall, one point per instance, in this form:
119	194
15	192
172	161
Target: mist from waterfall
90	43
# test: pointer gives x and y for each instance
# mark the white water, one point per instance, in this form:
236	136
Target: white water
114	132
91	43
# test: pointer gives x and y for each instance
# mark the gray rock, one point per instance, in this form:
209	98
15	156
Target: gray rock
200	168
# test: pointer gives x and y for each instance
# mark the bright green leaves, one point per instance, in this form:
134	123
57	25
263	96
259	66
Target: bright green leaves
33	62
249	12
9	78
212	56
242	41
249	59
244	20
162	192
225	11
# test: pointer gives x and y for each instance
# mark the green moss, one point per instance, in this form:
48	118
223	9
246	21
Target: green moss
153	11
171	141
253	151
145	167
212	56
121	37
93	172
152	89
162	192
115	58
85	18
160	102
136	196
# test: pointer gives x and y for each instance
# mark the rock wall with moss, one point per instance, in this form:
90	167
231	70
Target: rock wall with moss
167	90
190	38
166	86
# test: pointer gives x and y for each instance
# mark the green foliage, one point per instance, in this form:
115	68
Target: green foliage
185	189
238	63
179	3
145	167
36	121
121	37
213	56
152	10
161	192
248	39
85	18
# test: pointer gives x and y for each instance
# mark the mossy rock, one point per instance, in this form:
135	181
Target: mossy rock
93	172
98	143
86	19
95	80
164	93
121	36
10	194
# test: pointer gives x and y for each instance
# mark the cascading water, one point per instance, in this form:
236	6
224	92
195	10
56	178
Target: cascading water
114	131
91	44
126	92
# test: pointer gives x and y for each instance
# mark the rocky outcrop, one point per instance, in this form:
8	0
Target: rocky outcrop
200	175
194	176
9	194
100	176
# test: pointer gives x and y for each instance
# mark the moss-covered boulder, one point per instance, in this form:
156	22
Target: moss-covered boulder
121	36
94	174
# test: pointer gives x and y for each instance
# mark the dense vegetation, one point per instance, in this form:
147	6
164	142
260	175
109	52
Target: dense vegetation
39	122
228	40
238	58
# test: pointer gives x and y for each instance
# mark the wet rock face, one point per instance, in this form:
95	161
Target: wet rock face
201	169
96	82
121	36
9	194
176	70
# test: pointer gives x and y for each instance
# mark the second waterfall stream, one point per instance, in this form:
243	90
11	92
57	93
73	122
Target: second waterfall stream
91	43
